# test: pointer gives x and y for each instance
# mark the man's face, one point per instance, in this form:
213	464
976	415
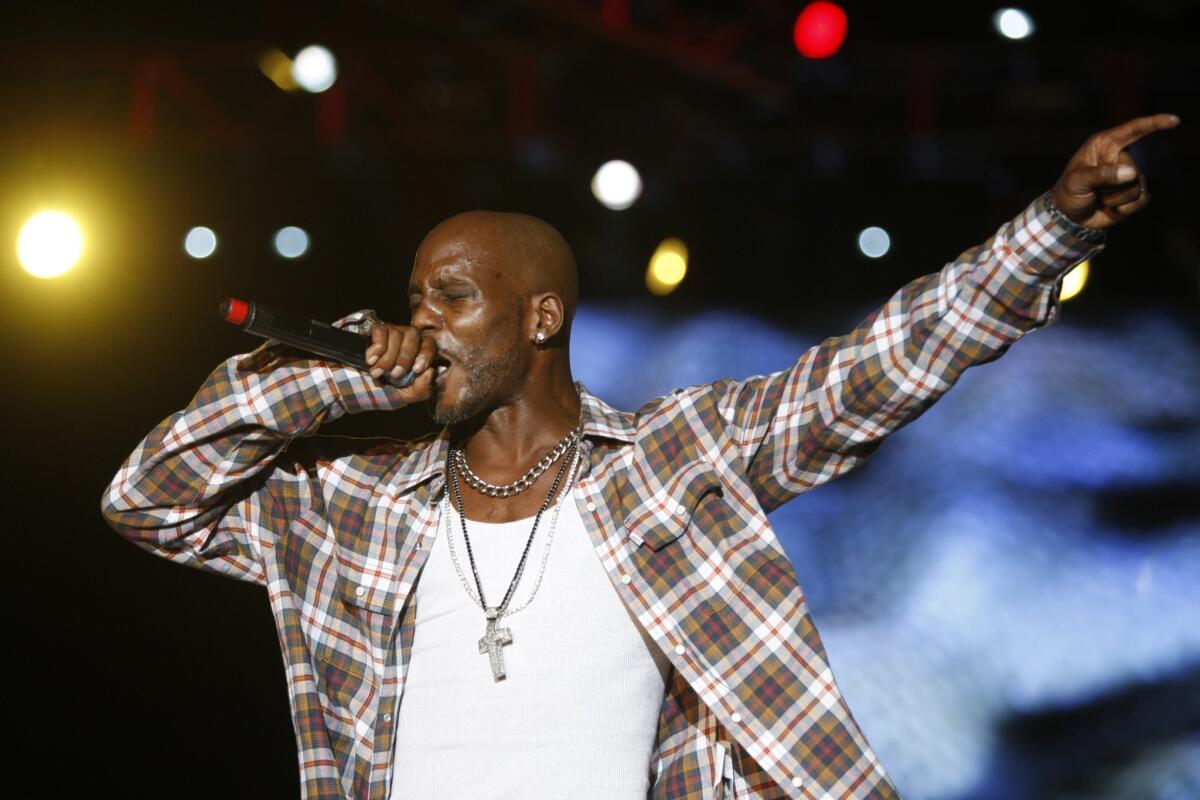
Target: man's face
459	295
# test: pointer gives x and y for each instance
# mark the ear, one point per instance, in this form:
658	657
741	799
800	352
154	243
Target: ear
547	318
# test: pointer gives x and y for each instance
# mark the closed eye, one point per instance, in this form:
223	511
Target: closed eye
452	295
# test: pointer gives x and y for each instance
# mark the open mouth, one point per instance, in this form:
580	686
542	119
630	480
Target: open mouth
441	366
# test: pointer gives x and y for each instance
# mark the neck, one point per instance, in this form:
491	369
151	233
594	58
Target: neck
504	443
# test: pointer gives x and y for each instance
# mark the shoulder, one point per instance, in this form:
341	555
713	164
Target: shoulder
678	428
691	406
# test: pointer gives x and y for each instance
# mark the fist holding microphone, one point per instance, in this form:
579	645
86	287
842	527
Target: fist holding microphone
403	356
399	355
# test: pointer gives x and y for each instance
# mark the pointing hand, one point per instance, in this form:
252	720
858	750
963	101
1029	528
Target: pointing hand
1102	185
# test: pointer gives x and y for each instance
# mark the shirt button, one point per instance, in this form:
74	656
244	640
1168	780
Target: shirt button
680	649
625	579
591	506
680	511
796	781
737	717
387	717
360	591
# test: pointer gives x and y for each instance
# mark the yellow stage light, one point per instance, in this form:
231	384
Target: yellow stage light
1074	281
49	244
667	268
278	68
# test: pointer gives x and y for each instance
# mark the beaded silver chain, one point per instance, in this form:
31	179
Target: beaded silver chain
462	577
520	484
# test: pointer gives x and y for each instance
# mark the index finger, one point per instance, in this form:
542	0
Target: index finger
428	349
1129	132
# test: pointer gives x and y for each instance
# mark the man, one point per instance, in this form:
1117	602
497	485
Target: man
623	622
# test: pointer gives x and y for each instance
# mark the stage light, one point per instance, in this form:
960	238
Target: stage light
820	30
278	68
291	242
1012	23
1074	281
667	268
200	242
617	185
49	244
874	242
314	69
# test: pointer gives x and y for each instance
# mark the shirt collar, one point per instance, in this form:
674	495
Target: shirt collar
598	420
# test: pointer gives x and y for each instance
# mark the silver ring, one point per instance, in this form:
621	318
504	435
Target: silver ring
370	319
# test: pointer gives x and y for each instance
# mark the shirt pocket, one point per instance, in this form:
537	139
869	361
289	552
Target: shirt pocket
342	600
368	590
663	516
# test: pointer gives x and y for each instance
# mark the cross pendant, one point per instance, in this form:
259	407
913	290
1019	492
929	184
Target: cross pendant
493	639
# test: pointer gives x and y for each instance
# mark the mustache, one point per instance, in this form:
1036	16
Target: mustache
449	353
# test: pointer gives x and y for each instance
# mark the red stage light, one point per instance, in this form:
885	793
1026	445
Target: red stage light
820	30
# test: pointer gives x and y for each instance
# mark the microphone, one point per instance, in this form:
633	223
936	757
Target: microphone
309	335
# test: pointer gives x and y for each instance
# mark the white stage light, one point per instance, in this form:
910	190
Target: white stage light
1013	23
291	242
314	69
200	242
617	185
874	242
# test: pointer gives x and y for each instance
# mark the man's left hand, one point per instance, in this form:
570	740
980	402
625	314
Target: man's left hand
1102	185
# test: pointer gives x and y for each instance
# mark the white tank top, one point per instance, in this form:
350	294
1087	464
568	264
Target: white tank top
576	715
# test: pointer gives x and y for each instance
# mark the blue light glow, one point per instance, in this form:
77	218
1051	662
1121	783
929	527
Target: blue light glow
1026	548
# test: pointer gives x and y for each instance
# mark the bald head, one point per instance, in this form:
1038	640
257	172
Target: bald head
496	292
526	253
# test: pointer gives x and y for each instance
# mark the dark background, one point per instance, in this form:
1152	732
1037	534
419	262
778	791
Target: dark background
143	120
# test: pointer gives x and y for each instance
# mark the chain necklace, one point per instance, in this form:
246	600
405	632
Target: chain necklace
562	496
520	484
494	638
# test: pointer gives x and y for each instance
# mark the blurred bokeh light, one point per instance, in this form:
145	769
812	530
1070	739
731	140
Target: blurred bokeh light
874	242
1074	281
275	64
200	242
820	30
617	185
1013	23
291	242
49	244
314	69
667	267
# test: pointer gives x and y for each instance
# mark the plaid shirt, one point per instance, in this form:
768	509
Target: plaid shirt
674	496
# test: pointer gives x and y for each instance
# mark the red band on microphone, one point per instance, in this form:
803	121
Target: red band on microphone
236	311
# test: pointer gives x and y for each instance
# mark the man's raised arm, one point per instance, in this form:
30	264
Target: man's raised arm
799	427
202	488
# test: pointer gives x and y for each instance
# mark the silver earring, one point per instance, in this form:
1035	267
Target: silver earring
541	337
